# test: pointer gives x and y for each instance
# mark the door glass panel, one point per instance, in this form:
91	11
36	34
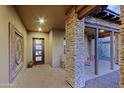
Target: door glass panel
38	53
38	50
39	58
38	47
37	41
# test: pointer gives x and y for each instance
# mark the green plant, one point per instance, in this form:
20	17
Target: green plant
30	64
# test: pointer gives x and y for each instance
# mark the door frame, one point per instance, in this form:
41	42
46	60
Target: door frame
33	51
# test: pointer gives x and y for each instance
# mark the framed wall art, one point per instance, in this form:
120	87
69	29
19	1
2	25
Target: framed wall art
16	52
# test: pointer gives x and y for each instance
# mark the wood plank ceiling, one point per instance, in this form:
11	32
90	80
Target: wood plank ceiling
107	15
54	14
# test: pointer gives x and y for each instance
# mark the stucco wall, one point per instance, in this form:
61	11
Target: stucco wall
87	47
90	47
50	47
58	46
29	44
8	14
54	46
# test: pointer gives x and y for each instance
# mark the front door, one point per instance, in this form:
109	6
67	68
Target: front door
38	50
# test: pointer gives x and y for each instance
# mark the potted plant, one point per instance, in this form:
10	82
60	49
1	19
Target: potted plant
30	64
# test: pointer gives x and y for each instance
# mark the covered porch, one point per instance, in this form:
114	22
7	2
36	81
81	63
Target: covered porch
102	47
84	38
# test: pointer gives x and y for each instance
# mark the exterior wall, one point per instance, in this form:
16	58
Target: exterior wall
74	65
119	51
117	47
50	47
104	48
122	49
93	48
87	48
58	47
7	15
29	45
54	46
56	43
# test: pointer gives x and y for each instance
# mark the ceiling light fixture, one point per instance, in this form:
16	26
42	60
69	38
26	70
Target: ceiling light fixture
101	30
39	29
41	20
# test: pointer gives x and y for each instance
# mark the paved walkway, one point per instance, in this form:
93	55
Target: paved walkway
110	80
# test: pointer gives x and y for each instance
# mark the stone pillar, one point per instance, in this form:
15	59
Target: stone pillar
112	50
116	48
74	65
119	49
96	51
122	49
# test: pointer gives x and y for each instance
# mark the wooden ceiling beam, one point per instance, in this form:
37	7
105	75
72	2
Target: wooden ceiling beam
79	7
104	16
108	17
100	14
112	18
87	9
68	10
115	19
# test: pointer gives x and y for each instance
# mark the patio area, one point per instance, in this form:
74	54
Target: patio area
103	68
110	80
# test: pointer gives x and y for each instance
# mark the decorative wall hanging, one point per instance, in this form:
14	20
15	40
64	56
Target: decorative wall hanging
16	52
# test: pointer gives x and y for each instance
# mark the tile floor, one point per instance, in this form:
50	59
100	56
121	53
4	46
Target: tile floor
43	76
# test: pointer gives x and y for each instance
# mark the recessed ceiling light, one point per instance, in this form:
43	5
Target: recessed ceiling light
39	29
101	30
41	20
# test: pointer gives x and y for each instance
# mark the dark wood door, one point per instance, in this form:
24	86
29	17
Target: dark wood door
38	50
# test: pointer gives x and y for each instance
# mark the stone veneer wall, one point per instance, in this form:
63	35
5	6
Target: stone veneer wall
122	49
116	48
74	65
